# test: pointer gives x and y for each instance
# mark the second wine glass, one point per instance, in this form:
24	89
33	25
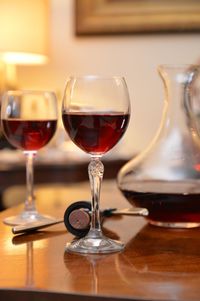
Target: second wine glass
96	113
29	121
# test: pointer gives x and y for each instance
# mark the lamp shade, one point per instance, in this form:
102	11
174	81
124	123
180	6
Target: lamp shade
24	31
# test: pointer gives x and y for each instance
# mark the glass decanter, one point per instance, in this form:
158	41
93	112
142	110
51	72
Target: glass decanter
165	177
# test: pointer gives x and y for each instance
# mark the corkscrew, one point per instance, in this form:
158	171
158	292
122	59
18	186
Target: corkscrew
77	218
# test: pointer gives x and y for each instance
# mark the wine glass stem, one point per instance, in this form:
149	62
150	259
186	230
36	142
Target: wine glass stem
30	199
95	171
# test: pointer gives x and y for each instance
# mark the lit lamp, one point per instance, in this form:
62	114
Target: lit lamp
23	37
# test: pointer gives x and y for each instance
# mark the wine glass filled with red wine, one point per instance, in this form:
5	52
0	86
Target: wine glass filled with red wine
95	114
29	121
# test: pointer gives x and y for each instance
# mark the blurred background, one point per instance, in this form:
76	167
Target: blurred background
134	56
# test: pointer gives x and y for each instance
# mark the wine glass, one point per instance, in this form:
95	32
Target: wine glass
29	121
95	113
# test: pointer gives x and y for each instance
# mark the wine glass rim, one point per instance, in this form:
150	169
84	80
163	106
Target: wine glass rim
96	76
177	66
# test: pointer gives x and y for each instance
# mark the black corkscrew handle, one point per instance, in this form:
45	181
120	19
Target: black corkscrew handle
77	218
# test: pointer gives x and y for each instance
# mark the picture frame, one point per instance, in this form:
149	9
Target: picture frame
95	17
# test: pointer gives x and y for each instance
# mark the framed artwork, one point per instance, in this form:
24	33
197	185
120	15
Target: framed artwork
136	16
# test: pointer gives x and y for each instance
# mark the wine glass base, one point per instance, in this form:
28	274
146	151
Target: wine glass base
88	245
27	217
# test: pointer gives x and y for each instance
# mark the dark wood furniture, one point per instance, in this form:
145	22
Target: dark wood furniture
157	264
50	172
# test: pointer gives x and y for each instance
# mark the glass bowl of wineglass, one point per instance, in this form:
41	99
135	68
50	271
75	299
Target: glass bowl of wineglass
95	113
29	121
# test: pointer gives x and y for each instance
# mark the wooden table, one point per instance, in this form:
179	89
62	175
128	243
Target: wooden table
157	264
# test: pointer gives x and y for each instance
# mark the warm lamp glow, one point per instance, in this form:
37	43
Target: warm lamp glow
23	58
23	37
23	31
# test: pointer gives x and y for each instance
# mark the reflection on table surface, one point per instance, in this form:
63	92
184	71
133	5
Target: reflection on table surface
157	263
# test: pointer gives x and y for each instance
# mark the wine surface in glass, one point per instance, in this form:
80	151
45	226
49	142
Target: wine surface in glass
95	133
29	135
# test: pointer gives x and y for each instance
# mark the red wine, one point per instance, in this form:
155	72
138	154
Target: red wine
29	134
93	132
167	207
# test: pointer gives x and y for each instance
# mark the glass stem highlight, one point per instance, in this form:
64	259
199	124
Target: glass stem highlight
30	199
95	171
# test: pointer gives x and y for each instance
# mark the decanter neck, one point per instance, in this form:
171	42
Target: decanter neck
178	80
